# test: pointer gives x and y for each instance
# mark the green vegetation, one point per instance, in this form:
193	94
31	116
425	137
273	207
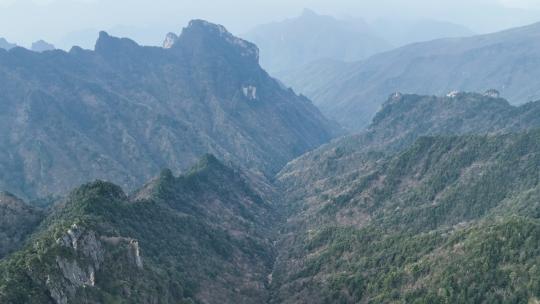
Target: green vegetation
194	232
448	220
408	218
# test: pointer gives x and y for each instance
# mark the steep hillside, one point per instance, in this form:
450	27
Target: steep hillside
411	227
203	237
402	120
17	221
294	42
123	112
506	61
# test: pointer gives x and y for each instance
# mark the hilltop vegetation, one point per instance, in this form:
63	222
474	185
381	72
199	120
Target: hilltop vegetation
203	237
412	228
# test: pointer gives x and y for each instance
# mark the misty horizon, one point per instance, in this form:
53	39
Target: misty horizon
66	23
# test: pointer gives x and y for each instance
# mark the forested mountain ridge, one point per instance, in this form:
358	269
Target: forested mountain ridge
203	237
397	217
124	111
436	201
409	228
17	221
401	121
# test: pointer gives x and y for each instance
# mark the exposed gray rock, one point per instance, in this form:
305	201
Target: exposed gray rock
170	40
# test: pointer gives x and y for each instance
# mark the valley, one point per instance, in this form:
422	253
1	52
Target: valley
188	174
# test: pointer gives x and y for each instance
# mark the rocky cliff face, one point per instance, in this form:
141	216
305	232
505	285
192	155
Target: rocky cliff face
123	112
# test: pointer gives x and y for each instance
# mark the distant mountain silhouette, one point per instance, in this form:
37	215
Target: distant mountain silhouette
295	42
507	61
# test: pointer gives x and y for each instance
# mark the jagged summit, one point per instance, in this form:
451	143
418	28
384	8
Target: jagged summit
201	32
107	44
170	40
42	46
139	109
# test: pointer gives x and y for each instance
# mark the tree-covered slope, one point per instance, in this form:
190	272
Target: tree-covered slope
17	221
202	237
448	220
123	111
402	120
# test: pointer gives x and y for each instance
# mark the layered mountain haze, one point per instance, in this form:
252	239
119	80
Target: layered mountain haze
295	42
506	61
186	173
401	32
42	46
4	44
124	111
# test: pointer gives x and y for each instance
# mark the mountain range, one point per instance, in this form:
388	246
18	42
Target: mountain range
352	93
123	111
402	211
187	174
295	42
42	46
398	216
399	32
6	45
203	237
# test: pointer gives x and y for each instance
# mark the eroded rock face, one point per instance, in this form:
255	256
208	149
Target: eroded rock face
84	242
89	254
169	41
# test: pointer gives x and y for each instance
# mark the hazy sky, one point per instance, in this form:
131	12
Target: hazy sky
65	21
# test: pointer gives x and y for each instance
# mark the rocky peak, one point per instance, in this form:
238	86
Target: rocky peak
42	46
109	45
200	33
170	40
